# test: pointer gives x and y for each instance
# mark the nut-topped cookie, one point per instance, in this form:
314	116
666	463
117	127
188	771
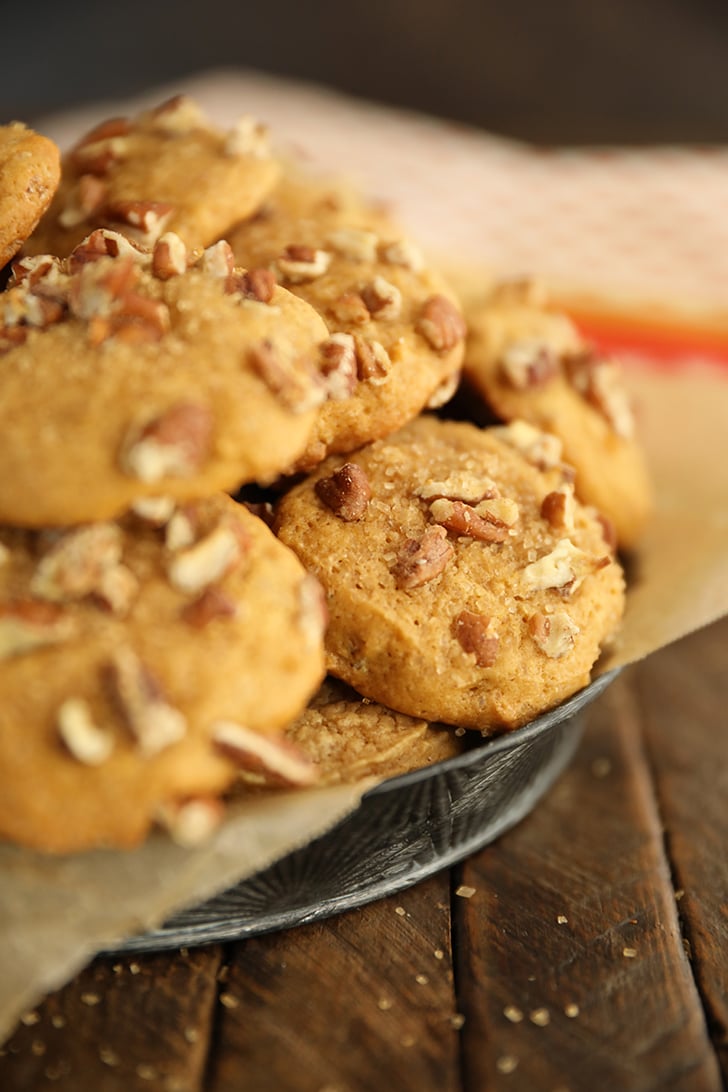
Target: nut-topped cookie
143	663
30	170
128	374
396	335
169	169
464	582
530	362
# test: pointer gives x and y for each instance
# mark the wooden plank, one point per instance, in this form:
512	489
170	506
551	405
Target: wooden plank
684	695
352	1004
571	969
130	1024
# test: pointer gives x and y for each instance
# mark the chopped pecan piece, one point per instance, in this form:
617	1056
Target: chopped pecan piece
192	822
82	736
145	220
337	364
198	566
101	147
169	257
382	299
247	137
77	562
563	569
444	391
182	528
529	363
350	310
347	492
211	604
402	252
441	324
272	756
140	700
355	244
289	378
461	485
255	284
554	634
302	263
175	444
558	508
117	589
476	635
218	260
373	362
599	381
26	624
421	560
179	114
541	449
31	269
103	243
462	519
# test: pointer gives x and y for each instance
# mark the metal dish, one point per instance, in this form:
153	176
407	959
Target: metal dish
405	829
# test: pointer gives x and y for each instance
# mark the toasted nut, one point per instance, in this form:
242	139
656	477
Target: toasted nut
255	284
218	260
441	324
402	252
460	485
117	589
564	569
26	624
169	258
355	244
101	147
179	114
302	263
444	391
382	299
542	449
154	510
599	381
289	378
275	757
337	362
373	362
210	605
421	560
558	508
554	634
139	698
144	220
77	561
181	530
86	741
528	363
462	519
350	310
207	561
191	823
175	444
476	635
347	492
103	243
247	137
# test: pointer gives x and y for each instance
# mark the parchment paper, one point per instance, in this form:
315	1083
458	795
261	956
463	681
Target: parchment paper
55	913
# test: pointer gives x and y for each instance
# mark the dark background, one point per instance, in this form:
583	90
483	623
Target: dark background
575	71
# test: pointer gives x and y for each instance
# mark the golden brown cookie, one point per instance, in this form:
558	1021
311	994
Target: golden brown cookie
530	362
169	169
396	334
142	663
131	375
348	738
464	583
29	173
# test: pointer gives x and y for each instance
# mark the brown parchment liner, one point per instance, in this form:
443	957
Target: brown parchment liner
56	913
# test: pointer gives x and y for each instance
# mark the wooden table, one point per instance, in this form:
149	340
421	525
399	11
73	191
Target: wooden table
587	949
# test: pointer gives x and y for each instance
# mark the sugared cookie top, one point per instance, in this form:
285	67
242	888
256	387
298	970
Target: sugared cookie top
29	173
143	663
348	738
530	362
169	169
464	582
396	333
128	375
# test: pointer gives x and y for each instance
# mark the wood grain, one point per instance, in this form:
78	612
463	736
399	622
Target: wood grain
573	933
356	1003
684	699
123	1025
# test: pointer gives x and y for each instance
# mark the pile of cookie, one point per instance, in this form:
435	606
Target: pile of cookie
229	465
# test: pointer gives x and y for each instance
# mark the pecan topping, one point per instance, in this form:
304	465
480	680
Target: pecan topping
77	563
350	310
441	324
247	137
355	244
303	263
87	198
218	260
529	363
563	569
182	528
31	269
373	362
290	379
155	511
198	566
337	364
84	739
461	485
313	614
191	823
175	444
476	636
382	299
558	508
138	695
144	220
272	756
599	381
26	624
117	589
422	559
347	492
102	243
169	258
554	634
402	252
180	114
462	519
444	391
255	284
211	604
541	449
103	146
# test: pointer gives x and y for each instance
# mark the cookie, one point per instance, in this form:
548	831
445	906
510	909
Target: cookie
142	663
348	738
29	173
530	362
396	333
464	583
169	169
128	375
